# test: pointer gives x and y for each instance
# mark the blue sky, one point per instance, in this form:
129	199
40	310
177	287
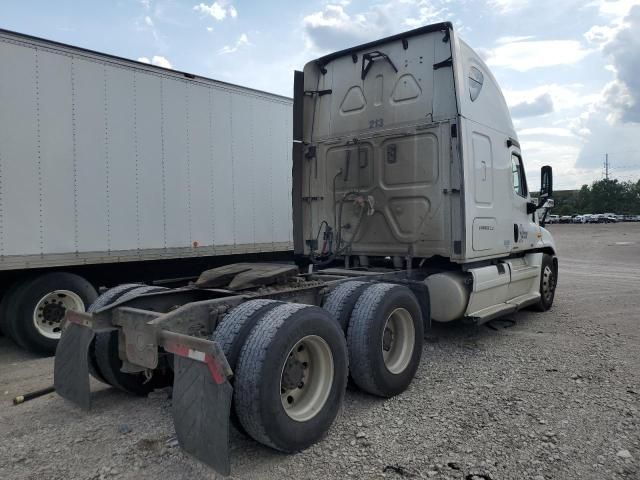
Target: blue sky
570	69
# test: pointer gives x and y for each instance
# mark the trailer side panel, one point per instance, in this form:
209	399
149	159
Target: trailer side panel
105	160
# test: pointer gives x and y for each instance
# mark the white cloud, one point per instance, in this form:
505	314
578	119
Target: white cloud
508	6
511	39
541	105
427	13
529	54
242	41
623	94
148	21
156	60
334	27
146	4
564	97
218	10
601	34
614	9
209	29
546	132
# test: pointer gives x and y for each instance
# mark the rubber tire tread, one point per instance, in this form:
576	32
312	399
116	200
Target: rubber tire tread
6	305
341	301
361	357
235	327
103	300
252	364
108	360
111	295
232	332
26	298
136	292
542	305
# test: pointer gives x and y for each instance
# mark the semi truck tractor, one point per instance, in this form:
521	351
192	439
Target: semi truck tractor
410	205
113	170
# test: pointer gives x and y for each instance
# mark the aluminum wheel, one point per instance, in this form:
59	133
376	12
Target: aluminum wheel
548	283
398	340
50	311
306	379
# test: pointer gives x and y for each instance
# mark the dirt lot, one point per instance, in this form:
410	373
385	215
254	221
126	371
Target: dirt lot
551	396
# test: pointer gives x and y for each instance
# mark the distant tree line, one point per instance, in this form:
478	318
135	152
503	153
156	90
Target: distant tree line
603	196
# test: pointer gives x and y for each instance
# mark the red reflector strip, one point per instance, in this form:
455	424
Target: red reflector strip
183	351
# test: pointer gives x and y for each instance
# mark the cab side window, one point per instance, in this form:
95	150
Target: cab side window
517	173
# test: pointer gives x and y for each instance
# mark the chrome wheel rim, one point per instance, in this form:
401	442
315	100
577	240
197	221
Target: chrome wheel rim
50	310
548	285
398	340
306	378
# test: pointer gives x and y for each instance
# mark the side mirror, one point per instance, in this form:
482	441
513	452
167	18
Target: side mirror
546	184
546	181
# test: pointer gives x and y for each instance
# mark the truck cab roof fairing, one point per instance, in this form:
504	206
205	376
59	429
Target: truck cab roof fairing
489	106
443	27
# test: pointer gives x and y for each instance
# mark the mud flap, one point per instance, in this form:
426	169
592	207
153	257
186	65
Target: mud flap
71	367
201	413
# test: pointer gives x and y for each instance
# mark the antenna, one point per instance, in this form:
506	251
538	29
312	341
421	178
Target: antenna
606	166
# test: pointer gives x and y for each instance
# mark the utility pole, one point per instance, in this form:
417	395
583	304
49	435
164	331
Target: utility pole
606	166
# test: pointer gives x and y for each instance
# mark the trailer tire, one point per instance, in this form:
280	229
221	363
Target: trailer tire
232	332
104	299
342	299
111	295
386	318
7	309
271	358
548	283
37	309
108	358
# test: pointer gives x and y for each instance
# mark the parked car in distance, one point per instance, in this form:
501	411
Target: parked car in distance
565	219
580	219
553	219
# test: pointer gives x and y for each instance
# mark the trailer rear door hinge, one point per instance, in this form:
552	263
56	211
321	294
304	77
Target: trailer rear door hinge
311	199
453	190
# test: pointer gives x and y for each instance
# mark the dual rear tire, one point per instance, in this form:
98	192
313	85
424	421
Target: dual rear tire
291	377
384	331
105	364
291	361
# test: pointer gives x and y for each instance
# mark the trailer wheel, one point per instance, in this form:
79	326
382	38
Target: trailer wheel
385	339
232	332
39	305
548	283
106	298
108	358
291	377
342	299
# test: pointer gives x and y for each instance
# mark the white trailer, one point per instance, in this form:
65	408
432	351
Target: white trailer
105	160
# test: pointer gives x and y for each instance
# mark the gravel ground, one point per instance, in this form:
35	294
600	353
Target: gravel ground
541	396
